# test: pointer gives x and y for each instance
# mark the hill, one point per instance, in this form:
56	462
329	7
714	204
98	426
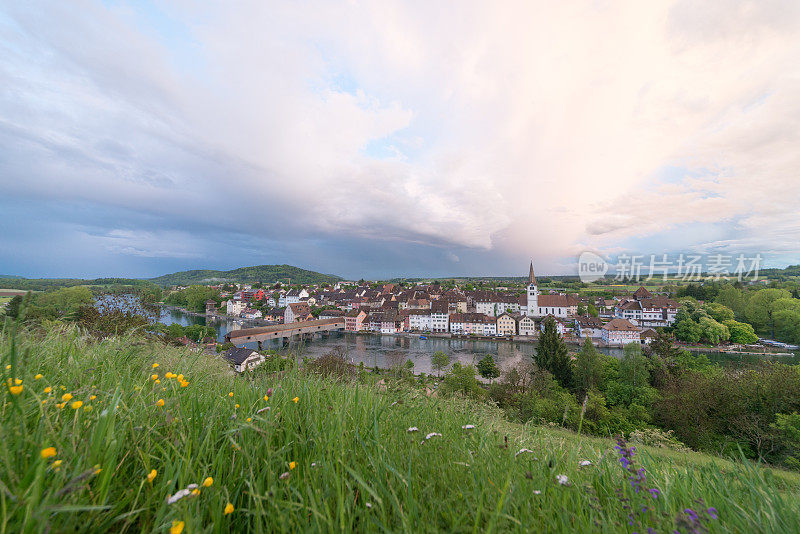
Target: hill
258	273
98	444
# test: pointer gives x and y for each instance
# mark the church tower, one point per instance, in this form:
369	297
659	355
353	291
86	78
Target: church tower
533	294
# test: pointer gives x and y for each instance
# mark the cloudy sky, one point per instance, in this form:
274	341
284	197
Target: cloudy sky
403	138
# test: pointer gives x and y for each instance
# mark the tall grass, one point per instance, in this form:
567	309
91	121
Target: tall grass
356	466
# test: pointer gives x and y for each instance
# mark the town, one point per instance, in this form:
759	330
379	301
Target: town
431	309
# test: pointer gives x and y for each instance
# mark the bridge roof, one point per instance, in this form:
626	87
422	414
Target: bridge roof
261	330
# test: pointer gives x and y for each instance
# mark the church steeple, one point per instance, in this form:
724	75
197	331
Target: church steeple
531	276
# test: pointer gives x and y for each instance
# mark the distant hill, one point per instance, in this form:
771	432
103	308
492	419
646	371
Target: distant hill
258	273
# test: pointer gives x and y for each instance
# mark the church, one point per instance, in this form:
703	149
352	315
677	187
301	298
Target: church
543	305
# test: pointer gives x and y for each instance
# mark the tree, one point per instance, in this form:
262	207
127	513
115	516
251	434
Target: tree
718	312
439	361
688	330
581	309
14	306
551	354
788	324
713	332
741	333
634	369
487	368
761	307
733	298
592	310
588	372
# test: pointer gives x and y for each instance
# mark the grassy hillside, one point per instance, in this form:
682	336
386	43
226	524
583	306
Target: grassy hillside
321	455
258	273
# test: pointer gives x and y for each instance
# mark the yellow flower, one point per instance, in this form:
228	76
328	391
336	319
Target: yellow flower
56	463
266	398
93	397
63	388
48	389
151	475
97	469
17	381
87	408
155	365
75	405
158	381
168	375
154	377
207	482
249	419
292	465
37	377
236	407
48	452
44	401
180	378
60	405
160	402
228	509
296	400
230	394
184	384
176	528
66	397
8	366
15	390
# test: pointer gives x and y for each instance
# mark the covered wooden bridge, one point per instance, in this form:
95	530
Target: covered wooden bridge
284	332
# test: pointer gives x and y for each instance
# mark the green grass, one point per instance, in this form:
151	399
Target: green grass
357	467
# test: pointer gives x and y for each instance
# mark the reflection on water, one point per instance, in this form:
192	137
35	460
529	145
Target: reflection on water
389	350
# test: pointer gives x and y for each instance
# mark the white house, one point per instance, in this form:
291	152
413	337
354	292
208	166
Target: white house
297	311
526	326
539	305
235	307
589	327
242	358
620	332
420	320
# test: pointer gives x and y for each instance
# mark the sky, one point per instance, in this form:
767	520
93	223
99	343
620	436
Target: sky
394	138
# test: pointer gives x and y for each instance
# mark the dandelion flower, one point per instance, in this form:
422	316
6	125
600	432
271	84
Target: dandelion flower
17	381
48	452
228	509
184	384
44	401
296	400
230	394
66	397
60	405
152	475
48	389
168	375
563	480
195	492
75	405
38	376
180	378
8	366
176	528
57	463
154	376
15	390
266	397
249	419
208	482
236	407
412	429
155	365
93	397
160	402
292	465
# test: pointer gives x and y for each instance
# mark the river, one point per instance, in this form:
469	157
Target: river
388	350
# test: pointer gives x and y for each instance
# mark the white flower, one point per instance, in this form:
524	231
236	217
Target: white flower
369	505
433	435
262	410
537	492
584	463
181	494
468	427
284	475
522	451
392	404
563	480
413	429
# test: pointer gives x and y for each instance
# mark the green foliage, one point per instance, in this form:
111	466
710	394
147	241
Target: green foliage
439	361
688	330
713	332
718	312
461	379
734	299
787	323
551	354
787	428
589	371
592	310
245	275
14	306
487	368
741	333
761	307
634	368
194	298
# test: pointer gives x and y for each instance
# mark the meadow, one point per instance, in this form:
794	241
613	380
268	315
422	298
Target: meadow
127	434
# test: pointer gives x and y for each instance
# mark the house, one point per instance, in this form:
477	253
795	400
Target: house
354	320
296	312
620	331
561	326
251	314
647	335
331	314
420	320
648	312
235	307
275	314
506	325
526	326
242	358
392	322
211	307
473	323
440	317
542	305
587	326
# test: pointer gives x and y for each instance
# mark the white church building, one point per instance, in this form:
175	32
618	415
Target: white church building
539	305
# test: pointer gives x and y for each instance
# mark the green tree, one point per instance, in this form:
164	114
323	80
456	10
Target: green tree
718	312
487	368
581	309
688	330
634	368
762	306
592	310
552	355
733	298
589	369
713	332
14	306
787	323
439	361
741	333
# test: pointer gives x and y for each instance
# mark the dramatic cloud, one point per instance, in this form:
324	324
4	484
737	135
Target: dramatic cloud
385	138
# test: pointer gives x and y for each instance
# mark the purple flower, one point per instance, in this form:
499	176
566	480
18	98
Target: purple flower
712	513
654	492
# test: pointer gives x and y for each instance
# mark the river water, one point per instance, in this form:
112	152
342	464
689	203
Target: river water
389	350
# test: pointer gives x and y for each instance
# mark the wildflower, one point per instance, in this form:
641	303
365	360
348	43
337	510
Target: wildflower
284	475
266	397
181	494
63	388
563	480
536	492
208	482
48	389
48	452
38	376
292	465
15	390
249	419
75	405
522	451
184	384
93	397
154	377
44	401
152	475
57	463
155	365
158	381
60	405
168	375
296	400
160	402
584	463
712	513
66	397
369	505
195	492
468	427
97	469
87	408
8	366
230	394
179	378
228	509
433	435
17	381
412	429
176	528
236	407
